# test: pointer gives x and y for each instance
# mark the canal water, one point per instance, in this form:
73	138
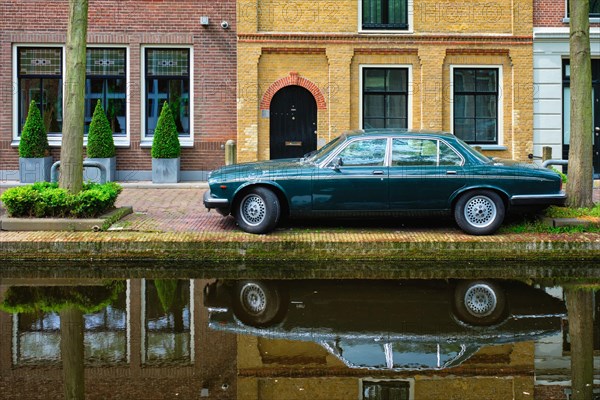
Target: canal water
308	331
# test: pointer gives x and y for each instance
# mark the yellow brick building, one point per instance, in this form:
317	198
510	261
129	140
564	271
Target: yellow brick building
310	70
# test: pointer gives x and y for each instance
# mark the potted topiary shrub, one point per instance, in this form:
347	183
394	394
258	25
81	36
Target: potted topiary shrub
165	149
100	147
35	160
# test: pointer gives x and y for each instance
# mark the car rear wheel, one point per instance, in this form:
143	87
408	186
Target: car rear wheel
479	303
257	303
479	212
258	211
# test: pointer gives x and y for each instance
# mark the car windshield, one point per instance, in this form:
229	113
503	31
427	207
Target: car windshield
481	157
323	151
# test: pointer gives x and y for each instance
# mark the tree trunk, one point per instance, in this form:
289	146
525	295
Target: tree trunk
580	306
71	153
580	182
71	349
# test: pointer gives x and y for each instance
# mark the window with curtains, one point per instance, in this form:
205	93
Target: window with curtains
168	79
385	98
106	81
39	75
385	14
476	105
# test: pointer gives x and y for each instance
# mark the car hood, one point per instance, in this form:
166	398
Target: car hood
255	169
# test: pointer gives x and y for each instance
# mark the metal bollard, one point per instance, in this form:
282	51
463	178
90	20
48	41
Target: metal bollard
93	164
230	152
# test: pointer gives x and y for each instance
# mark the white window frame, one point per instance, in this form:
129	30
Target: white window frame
146	141
567	19
53	140
411	384
410	20
500	145
120	141
409	101
56	140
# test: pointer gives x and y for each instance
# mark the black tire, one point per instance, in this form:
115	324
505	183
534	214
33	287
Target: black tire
257	303
258	211
479	303
479	212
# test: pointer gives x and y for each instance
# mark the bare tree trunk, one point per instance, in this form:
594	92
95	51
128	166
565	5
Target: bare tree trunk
71	349
71	153
580	306
580	182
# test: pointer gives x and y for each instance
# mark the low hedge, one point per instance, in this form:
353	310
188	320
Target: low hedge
44	199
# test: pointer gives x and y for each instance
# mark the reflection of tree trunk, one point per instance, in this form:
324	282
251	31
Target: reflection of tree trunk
580	306
71	347
178	326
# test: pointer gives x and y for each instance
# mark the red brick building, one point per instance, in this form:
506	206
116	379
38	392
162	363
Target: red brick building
140	54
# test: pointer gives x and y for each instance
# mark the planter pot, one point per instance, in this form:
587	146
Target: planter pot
91	174
33	170
165	170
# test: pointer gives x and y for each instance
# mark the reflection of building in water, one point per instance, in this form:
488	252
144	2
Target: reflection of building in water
553	356
282	369
153	340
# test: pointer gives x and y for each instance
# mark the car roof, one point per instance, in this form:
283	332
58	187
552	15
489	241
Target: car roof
396	132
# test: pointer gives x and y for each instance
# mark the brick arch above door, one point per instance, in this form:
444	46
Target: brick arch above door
294	79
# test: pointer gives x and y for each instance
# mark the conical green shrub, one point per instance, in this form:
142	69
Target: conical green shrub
166	139
34	140
100	139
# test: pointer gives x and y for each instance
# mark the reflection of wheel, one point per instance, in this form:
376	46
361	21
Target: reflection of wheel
479	303
479	212
258	211
257	303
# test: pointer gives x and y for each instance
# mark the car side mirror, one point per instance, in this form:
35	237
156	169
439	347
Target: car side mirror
337	163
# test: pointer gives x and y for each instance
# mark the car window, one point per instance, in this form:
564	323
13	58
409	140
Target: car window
364	153
412	152
449	156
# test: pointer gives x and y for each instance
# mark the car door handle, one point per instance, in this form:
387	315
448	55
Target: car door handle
451	172
378	172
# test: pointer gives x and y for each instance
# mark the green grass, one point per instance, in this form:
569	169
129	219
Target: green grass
566	212
536	225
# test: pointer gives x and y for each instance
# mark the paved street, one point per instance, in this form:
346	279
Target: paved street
179	208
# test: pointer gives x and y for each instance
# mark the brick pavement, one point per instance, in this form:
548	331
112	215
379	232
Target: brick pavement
179	208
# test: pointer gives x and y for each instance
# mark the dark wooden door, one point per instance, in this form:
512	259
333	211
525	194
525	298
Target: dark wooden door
293	123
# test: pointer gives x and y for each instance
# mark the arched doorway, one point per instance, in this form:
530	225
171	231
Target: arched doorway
293	122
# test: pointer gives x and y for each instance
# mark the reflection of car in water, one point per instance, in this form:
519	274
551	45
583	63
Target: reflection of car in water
399	325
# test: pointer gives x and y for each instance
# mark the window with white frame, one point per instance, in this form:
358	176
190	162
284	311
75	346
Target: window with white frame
385	98
106	81
594	9
39	76
385	390
475	105
384	14
167	74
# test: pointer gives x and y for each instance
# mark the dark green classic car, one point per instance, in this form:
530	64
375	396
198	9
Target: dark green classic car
382	172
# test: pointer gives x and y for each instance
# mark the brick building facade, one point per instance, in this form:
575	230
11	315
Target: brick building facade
421	64
139	55
551	77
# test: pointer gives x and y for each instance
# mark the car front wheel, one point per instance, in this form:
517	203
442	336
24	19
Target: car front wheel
479	212
479	303
257	303
258	211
